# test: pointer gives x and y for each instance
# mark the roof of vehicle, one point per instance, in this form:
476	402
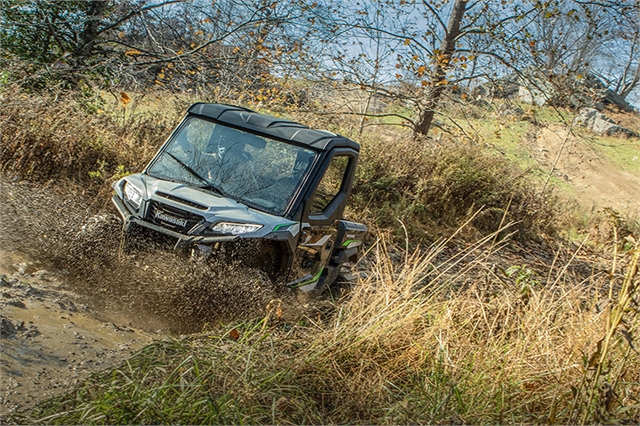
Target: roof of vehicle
275	127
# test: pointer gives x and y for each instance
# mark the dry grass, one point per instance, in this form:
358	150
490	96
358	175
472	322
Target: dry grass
476	338
432	188
410	347
417	341
71	140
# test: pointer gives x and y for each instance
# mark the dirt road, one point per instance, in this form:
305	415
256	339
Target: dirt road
596	181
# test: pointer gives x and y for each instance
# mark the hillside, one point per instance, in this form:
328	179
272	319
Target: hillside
498	284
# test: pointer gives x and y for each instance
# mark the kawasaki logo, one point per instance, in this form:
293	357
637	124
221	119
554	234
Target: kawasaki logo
171	219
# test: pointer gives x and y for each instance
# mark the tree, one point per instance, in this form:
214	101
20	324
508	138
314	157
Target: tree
434	42
173	43
442	59
443	49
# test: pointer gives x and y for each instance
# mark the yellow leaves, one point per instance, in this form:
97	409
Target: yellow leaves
124	99
180	52
132	52
407	42
236	49
421	70
208	21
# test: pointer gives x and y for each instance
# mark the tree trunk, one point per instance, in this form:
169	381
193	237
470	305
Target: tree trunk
627	87
438	78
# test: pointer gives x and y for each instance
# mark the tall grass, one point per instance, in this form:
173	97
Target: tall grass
73	140
434	335
418	341
434	188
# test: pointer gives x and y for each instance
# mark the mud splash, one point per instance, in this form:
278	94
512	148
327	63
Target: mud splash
153	289
75	300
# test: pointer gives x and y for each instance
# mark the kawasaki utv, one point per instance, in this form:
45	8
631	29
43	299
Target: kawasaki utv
233	183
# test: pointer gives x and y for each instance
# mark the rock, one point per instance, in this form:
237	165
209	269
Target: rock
41	274
511	111
22	268
600	124
7	328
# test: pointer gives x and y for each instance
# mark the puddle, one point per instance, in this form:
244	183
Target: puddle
50	341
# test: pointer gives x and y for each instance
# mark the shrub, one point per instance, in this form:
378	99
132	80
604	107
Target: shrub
435	188
66	138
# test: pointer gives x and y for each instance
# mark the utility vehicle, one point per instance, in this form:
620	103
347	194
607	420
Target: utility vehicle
230	183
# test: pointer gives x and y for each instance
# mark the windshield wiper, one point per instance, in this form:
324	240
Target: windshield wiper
208	185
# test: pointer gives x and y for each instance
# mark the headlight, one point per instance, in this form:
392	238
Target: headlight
133	194
235	228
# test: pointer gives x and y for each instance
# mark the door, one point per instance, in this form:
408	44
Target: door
321	216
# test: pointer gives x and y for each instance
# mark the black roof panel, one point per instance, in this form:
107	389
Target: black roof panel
271	126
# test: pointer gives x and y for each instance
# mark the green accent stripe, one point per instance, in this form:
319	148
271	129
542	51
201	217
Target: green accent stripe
314	279
346	243
282	225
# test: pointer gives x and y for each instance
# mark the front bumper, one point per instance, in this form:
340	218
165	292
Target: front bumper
129	219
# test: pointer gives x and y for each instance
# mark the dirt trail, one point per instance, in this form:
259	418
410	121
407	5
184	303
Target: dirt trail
597	182
49	339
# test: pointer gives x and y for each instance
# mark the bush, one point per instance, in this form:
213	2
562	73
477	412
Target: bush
435	188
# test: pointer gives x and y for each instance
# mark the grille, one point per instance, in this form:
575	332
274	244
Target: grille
172	218
181	200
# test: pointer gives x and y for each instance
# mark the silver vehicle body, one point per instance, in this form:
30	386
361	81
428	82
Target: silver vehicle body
273	189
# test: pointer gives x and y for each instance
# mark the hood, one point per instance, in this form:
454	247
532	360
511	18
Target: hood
211	206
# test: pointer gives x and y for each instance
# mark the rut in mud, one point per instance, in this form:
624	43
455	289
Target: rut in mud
151	289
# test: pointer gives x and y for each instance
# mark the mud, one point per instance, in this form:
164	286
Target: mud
49	340
149	285
74	299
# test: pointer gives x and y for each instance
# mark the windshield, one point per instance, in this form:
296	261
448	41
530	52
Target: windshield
260	172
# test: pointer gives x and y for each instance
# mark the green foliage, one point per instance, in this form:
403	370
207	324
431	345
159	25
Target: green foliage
55	41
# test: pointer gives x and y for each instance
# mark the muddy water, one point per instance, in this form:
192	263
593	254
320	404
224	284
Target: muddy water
49	340
149	286
73	301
